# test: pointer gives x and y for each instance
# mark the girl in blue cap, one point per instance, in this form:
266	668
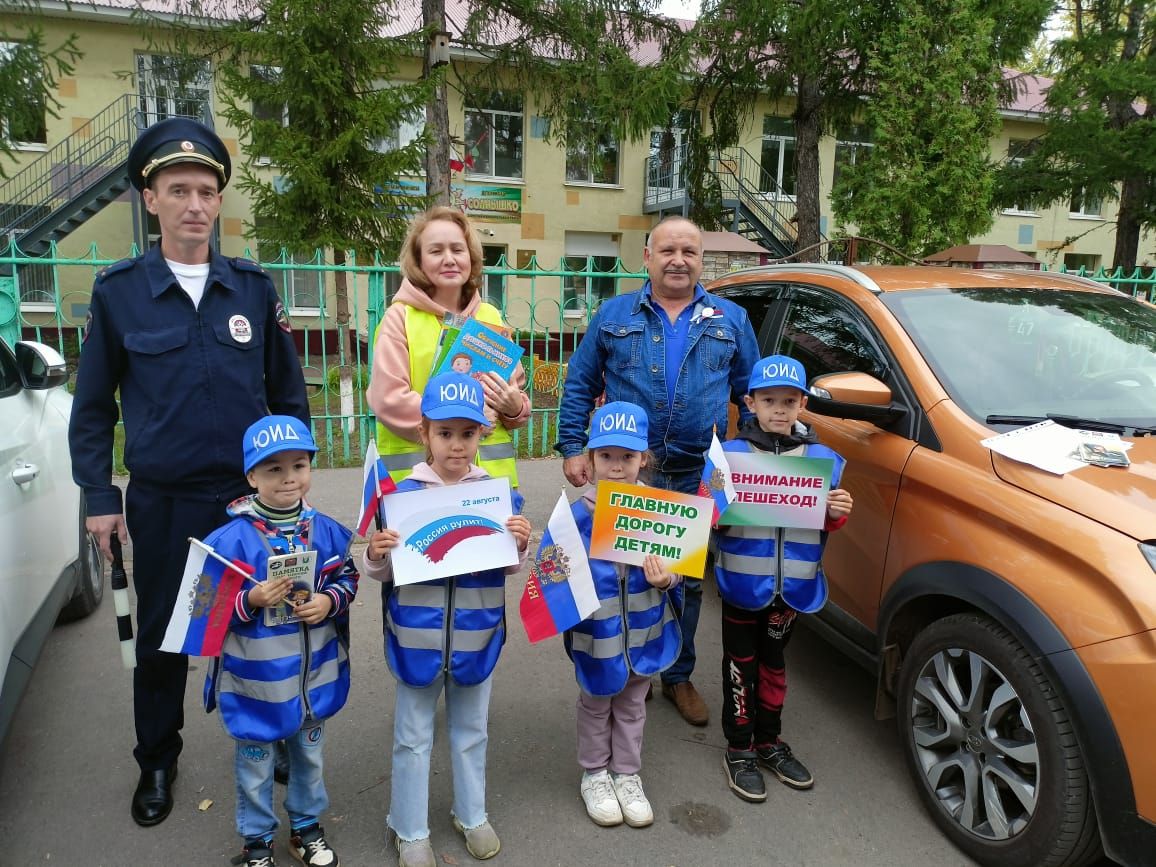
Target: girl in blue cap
634	634
443	634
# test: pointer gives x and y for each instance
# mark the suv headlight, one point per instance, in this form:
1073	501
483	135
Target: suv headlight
1148	549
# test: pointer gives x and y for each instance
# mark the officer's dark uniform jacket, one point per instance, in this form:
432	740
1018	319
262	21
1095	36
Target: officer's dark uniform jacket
270	680
634	631
191	380
757	565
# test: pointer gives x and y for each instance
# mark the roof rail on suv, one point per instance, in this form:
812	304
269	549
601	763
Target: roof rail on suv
845	271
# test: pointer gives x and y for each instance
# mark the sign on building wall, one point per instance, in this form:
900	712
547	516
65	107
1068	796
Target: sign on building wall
485	203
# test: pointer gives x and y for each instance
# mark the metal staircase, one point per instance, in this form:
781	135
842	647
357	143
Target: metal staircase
753	204
72	181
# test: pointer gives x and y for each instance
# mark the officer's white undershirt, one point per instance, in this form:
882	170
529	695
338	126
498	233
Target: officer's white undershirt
191	277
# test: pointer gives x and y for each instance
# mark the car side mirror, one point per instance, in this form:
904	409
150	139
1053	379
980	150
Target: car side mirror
853	395
41	367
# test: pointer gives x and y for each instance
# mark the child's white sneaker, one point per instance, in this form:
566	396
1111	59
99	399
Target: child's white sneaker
635	808
601	802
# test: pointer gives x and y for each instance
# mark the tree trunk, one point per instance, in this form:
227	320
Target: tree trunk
808	129
437	115
1128	224
345	386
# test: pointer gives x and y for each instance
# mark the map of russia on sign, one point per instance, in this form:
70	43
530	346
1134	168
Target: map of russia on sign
778	490
632	521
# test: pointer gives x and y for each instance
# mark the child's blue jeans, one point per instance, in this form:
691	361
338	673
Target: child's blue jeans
467	715
305	796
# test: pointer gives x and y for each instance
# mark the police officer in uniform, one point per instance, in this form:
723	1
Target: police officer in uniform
200	347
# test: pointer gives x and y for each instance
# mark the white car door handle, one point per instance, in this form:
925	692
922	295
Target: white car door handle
25	474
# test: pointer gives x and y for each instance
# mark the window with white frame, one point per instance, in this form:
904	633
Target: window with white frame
1018	150
172	86
596	254
494	135
778	157
268	110
406	131
852	145
494	285
593	160
299	289
668	150
1084	205
25	124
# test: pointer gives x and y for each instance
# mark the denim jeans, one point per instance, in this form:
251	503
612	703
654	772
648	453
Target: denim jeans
467	716
685	483
305	796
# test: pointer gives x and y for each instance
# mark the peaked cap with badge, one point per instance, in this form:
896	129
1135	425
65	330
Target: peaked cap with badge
174	141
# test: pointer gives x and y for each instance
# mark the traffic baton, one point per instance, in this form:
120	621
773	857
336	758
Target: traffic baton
118	580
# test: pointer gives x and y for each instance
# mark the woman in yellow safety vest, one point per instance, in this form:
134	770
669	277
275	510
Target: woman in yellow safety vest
441	261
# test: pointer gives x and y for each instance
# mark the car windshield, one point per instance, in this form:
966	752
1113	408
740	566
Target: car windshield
1034	352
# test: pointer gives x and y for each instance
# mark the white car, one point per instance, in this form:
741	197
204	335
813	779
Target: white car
50	567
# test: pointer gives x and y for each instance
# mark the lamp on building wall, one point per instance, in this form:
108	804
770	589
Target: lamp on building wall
439	49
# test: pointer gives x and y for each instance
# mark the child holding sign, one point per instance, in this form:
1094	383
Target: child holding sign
634	634
766	575
446	633
282	677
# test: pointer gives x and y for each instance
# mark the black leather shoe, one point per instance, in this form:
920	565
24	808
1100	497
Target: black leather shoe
153	799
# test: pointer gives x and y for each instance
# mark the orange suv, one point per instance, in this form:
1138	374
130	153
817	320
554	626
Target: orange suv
1009	613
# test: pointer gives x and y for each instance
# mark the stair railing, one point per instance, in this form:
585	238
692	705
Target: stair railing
69	166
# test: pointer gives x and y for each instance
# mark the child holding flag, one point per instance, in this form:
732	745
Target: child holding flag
634	634
758	605
430	645
281	680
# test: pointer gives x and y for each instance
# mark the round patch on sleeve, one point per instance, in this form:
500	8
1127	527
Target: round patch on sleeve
240	328
87	326
282	318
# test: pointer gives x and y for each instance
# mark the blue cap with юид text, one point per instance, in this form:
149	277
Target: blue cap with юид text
777	370
619	423
454	395
276	433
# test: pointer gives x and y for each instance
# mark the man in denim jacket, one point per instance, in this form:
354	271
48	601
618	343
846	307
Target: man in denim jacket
681	354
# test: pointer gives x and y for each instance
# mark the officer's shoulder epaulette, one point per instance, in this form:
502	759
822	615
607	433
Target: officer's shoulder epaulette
243	264
114	268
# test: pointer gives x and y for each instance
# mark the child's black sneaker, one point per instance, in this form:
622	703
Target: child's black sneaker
743	775
309	847
256	853
780	761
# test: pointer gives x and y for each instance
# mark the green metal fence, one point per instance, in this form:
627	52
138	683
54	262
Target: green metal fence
547	307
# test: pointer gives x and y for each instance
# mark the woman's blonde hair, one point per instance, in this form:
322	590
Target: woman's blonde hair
411	251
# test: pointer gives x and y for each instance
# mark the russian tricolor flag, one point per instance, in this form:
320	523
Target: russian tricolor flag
716	478
375	484
559	593
205	602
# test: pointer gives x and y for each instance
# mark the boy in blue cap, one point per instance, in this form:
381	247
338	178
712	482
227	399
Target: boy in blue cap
766	576
266	687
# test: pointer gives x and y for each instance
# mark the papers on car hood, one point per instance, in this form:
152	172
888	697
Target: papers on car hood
1053	447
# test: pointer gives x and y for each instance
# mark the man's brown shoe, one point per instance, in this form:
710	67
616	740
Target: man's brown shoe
689	703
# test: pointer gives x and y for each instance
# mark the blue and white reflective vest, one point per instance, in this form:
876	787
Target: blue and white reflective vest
607	647
754	565
420	645
269	680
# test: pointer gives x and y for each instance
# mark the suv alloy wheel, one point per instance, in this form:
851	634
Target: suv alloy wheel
990	743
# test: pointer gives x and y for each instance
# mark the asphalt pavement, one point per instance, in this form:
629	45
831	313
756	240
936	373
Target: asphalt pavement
67	772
